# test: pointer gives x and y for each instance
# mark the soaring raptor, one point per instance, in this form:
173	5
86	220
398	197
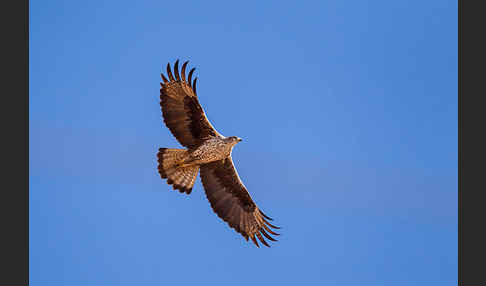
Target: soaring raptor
207	151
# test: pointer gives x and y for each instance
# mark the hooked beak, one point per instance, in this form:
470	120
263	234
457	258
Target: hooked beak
239	139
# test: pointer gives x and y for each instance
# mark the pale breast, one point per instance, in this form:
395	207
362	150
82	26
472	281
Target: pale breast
211	150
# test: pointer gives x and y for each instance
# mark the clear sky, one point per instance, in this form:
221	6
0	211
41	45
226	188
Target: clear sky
348	111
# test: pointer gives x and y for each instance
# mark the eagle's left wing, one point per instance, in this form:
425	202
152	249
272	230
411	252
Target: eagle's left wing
231	201
181	110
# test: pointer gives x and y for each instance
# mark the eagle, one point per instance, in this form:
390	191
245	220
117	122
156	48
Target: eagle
209	153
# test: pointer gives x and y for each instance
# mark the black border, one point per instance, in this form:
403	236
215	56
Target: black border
471	143
14	138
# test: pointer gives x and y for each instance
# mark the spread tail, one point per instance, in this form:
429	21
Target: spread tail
170	167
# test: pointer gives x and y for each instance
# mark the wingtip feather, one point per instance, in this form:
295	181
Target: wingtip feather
276	227
262	240
189	77
264	215
267	236
169	72
254	240
194	86
163	78
183	71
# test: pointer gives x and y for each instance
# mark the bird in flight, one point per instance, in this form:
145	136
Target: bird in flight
208	152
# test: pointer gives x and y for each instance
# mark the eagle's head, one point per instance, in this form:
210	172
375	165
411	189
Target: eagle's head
234	140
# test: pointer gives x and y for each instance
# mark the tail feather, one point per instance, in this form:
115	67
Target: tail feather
181	178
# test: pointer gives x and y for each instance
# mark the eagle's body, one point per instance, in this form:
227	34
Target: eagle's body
213	149
208	152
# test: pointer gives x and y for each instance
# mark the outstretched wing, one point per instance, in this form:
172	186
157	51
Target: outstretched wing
231	201
182	113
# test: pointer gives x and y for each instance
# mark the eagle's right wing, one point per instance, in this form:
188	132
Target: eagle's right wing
231	201
181	110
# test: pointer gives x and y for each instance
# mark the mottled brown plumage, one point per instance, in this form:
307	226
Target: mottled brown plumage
209	152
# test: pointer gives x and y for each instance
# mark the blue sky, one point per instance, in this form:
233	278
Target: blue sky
348	111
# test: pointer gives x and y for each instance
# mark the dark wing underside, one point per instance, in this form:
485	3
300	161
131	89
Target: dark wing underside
181	110
231	201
